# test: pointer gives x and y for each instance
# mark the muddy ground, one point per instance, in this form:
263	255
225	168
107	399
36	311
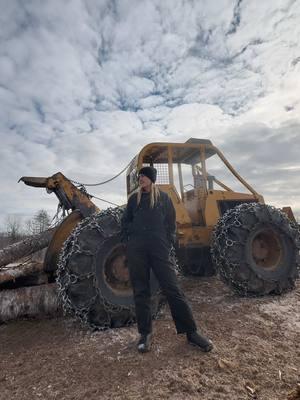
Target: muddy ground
256	355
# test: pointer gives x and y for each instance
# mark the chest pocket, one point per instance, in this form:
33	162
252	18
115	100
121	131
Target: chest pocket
146	218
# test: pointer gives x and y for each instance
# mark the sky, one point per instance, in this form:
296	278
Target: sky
85	84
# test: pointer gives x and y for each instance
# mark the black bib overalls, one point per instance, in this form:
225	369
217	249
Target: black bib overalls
148	233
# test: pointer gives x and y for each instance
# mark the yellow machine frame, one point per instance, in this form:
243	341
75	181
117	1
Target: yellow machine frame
198	209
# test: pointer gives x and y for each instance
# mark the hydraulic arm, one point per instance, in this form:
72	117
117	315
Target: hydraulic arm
69	196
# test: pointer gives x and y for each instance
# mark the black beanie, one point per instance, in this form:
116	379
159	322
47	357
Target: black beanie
149	172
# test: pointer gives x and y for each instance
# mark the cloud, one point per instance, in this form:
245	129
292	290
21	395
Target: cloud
268	158
85	84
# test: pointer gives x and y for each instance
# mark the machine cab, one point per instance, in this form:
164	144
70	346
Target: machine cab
182	171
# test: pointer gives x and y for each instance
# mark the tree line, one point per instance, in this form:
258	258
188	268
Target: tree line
15	229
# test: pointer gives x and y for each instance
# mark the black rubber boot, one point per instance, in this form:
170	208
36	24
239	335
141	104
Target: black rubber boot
197	340
144	343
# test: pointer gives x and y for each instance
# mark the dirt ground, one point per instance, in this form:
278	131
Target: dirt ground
256	355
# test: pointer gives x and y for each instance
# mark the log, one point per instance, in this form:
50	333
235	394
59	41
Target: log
20	270
25	247
32	301
25	272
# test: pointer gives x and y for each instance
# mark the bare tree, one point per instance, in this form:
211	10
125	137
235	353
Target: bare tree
13	225
39	223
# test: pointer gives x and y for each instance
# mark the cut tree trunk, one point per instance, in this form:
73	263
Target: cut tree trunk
20	275
28	271
26	247
32	301
19	270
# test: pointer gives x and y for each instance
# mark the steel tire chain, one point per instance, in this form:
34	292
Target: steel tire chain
65	279
220	237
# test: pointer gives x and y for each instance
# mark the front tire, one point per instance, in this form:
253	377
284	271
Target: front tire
93	277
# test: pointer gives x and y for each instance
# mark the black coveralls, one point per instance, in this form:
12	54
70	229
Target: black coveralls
149	233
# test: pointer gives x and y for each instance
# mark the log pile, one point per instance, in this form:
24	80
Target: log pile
26	289
25	247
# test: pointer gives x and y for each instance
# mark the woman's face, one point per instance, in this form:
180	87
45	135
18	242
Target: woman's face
144	182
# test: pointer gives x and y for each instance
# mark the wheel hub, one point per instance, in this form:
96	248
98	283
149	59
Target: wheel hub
266	249
116	270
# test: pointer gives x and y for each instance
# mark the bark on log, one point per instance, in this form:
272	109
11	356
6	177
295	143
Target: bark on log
32	301
20	270
25	247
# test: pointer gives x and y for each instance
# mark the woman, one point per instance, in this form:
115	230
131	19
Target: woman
149	229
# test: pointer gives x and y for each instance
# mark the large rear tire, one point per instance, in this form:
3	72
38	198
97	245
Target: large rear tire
255	248
93	277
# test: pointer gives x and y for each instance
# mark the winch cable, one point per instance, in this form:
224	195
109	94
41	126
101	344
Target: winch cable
82	186
106	201
101	183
